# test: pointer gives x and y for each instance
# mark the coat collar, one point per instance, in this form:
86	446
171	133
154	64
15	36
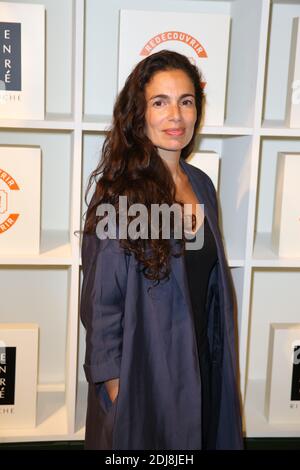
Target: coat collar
201	193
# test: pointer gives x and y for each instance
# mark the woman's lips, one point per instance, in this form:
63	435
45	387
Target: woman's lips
174	132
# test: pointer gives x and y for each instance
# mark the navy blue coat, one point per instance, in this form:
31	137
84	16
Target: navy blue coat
148	340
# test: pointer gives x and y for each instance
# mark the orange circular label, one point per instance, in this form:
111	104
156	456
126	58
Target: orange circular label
7	184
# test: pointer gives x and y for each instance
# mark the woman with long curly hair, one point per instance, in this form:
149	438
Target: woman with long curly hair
158	308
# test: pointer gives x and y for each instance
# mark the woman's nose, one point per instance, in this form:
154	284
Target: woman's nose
175	112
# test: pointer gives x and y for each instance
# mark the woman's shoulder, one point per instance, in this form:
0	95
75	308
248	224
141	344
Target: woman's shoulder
199	174
208	190
93	242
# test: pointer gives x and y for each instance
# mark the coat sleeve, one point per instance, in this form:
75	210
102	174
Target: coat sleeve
102	306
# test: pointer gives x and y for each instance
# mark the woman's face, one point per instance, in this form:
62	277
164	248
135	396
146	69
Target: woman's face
170	111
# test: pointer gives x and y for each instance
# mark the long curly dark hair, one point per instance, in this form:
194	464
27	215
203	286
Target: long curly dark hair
131	166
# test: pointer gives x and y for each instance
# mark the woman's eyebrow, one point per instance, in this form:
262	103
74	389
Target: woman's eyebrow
185	95
158	96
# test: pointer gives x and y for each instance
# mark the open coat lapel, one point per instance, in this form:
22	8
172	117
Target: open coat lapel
177	263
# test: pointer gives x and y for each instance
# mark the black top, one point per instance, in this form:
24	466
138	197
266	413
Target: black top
199	264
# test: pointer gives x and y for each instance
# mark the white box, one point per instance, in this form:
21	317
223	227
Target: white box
286	210
22	61
207	162
293	93
20	199
18	374
203	38
281	405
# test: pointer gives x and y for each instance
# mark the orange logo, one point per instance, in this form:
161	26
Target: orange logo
175	36
7	220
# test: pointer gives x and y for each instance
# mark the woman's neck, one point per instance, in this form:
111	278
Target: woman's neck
172	162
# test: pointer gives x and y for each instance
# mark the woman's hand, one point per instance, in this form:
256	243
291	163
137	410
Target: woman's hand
112	387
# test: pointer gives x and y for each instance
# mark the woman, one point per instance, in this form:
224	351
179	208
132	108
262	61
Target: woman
160	334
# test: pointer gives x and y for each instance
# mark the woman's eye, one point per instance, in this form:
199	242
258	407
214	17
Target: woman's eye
158	104
187	102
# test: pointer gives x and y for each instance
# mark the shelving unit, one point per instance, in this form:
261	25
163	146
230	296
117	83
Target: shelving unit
81	85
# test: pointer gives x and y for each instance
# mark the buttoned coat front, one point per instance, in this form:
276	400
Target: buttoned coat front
146	337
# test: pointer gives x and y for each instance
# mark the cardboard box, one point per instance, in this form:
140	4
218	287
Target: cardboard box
282	398
18	375
293	93
20	200
286	211
22	61
203	38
